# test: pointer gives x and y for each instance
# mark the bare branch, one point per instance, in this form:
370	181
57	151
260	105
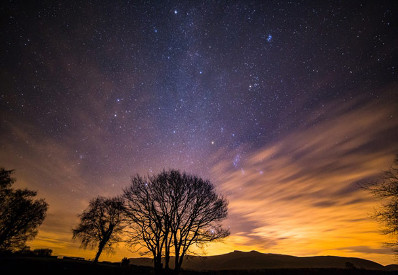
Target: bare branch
173	210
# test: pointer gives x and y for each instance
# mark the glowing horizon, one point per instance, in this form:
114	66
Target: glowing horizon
285	107
333	218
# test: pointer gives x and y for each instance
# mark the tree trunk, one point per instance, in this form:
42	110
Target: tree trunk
158	268
100	247
103	243
176	260
177	269
177	266
167	259
157	262
167	253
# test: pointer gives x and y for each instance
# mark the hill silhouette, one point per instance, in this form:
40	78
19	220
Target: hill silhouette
252	260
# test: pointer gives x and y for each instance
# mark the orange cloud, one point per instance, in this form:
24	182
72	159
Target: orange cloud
300	195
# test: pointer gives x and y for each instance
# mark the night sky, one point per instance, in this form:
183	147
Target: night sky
286	106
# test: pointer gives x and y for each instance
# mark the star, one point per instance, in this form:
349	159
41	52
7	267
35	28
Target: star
125	86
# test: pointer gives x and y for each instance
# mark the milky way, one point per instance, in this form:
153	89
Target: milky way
288	104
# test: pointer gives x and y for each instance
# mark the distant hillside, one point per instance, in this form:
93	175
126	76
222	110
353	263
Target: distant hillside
239	260
391	267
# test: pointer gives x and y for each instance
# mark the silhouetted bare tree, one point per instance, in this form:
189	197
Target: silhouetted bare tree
196	213
20	213
174	210
146	218
387	190
101	224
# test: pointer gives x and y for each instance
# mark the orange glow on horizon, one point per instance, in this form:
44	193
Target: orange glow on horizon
299	196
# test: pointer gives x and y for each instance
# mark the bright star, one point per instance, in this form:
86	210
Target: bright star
269	38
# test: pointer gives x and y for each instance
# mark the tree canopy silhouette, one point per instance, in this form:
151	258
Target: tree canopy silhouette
101	224
20	213
386	189
174	210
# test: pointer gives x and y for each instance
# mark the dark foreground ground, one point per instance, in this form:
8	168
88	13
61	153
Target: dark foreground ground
44	266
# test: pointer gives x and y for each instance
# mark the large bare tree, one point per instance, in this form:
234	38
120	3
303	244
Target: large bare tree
101	224
146	218
20	213
172	211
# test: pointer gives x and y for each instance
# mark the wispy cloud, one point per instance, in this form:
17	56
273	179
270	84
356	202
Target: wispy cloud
300	195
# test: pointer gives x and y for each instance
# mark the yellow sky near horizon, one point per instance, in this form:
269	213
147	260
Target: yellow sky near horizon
288	107
300	195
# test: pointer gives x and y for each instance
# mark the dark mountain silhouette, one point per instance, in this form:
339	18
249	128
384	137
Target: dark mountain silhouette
239	260
391	267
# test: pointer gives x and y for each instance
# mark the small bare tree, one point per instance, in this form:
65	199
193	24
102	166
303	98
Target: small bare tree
174	210
101	224
386	189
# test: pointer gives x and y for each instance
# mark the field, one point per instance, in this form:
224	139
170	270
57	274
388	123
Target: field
41	265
